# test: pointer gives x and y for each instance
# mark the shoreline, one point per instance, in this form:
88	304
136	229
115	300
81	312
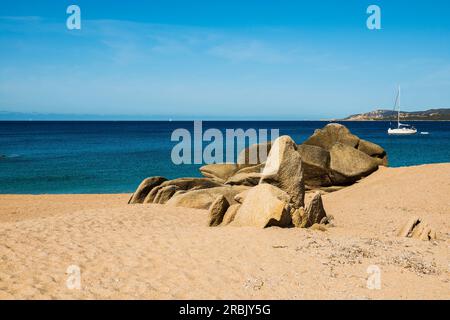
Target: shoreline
129	193
160	252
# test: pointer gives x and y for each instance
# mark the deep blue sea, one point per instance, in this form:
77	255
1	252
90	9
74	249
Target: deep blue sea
108	157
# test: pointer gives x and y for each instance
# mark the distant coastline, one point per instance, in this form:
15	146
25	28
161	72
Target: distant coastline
442	114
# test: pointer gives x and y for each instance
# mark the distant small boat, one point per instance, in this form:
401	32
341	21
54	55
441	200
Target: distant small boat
402	129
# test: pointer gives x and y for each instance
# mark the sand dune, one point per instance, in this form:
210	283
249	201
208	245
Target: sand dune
157	252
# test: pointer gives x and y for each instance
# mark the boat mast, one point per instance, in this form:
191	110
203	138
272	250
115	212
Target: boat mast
398	114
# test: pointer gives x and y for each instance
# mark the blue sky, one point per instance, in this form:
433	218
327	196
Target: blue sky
223	59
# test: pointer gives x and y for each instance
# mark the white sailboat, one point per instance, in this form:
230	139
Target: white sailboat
402	129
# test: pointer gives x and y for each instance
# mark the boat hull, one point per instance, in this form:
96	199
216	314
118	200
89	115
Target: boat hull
402	132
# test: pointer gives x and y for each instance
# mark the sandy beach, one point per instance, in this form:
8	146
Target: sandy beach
159	252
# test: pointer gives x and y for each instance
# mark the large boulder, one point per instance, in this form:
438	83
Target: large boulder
217	211
335	156
314	213
348	164
254	154
165	193
182	184
283	169
203	198
316	165
144	188
265	205
220	172
373	150
331	134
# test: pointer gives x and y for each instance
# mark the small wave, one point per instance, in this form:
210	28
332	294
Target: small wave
424	132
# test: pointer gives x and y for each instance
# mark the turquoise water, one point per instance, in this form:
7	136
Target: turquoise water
107	157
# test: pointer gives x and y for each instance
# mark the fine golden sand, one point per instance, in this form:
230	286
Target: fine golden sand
159	252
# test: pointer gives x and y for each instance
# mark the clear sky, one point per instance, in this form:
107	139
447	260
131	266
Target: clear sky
223	59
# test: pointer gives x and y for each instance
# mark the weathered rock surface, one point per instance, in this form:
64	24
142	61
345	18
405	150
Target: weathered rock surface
182	184
230	214
371	149
165	193
144	188
283	169
297	216
264	205
217	210
348	164
203	198
258	168
254	154
240	197
245	179
382	161
408	227
418	229
220	172
314	213
316	165
331	134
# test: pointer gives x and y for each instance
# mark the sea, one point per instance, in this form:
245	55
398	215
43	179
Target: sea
56	157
